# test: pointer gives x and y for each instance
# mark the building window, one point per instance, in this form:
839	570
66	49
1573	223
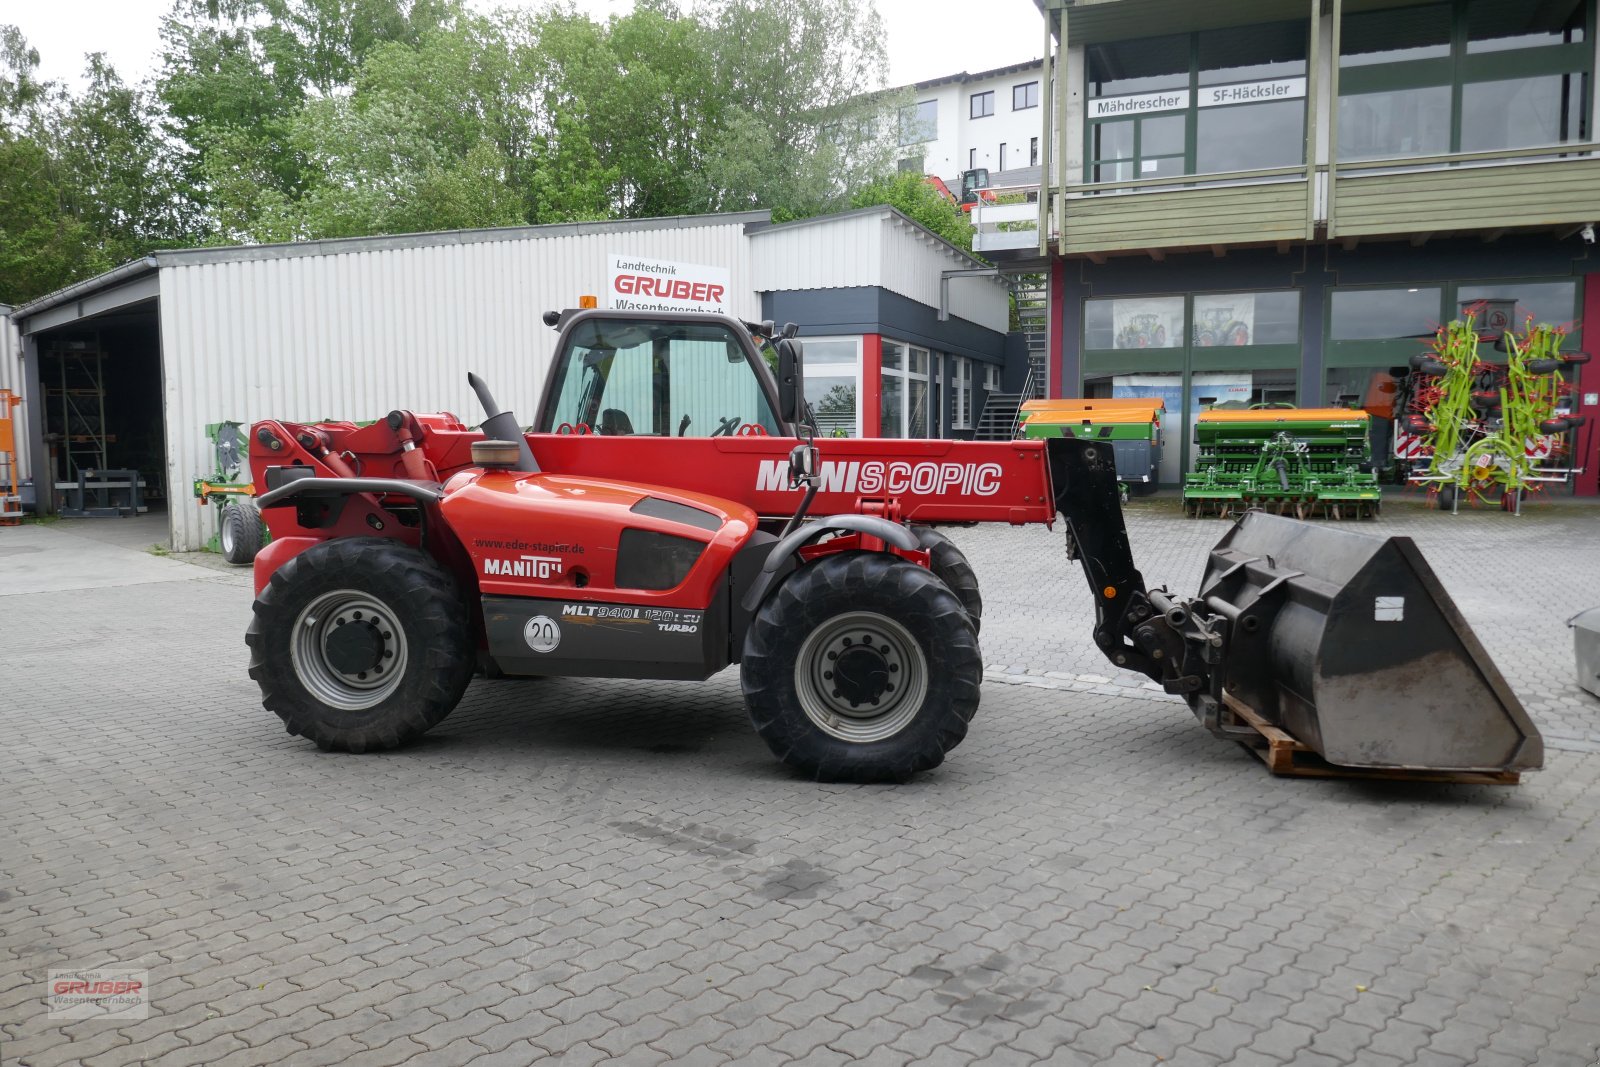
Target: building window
1002	156
1201	103
1384	314
961	375
910	165
1552	302
1237	319
1463	76
983	104
1134	322
1024	96
906	396
1033	151
919	122
833	384
991	378
972	159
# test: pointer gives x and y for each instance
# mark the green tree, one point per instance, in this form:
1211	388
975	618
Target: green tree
236	74
432	137
918	200
45	242
803	119
121	176
739	104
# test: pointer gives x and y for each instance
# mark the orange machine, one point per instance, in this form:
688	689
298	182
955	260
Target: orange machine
10	501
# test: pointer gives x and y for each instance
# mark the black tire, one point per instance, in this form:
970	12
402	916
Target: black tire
239	532
950	564
788	648
399	606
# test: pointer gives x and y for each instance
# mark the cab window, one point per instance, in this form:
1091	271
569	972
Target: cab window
621	377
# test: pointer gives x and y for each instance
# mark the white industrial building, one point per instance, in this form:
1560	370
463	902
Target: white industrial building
126	370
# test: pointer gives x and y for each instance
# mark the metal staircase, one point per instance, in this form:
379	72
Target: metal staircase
1001	417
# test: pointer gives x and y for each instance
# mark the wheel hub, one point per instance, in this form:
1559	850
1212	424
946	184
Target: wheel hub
355	646
349	651
861	672
861	676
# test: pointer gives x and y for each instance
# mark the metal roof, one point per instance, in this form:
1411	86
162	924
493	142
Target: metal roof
875	209
965	76
136	269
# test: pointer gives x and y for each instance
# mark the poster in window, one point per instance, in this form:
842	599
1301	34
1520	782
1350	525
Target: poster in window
1228	319
1150	323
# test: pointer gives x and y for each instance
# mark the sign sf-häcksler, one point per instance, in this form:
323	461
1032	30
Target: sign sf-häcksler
637	284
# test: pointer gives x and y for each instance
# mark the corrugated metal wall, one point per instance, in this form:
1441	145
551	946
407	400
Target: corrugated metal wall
357	334
12	378
874	248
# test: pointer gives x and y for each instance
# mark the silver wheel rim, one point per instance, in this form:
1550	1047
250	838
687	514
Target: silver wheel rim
322	658
887	676
225	535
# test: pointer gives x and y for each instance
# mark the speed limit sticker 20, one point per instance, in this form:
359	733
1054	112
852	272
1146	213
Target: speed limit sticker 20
542	633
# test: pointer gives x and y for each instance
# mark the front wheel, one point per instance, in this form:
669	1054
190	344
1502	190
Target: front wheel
360	644
862	668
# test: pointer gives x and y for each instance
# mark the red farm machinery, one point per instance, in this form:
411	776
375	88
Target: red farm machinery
671	514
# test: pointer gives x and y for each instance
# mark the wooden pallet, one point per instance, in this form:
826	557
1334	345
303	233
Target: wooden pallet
1289	758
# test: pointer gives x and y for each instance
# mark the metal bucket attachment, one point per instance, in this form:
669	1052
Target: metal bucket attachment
1348	642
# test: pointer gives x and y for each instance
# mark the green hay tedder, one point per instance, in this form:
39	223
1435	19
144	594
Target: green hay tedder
1487	431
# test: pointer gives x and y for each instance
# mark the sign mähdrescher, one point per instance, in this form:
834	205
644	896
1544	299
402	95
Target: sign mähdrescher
1108	107
636	284
1252	92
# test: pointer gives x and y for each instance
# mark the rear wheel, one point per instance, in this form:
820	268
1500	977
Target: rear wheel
360	644
862	668
239	532
950	564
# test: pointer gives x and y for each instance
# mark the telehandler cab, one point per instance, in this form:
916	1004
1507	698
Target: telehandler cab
671	514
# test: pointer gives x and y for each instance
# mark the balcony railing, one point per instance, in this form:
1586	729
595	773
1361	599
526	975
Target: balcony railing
1528	187
1005	227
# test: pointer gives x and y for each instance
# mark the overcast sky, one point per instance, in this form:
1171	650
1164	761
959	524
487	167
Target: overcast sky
922	44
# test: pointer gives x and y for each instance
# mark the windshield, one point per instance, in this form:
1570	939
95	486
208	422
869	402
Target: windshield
622	377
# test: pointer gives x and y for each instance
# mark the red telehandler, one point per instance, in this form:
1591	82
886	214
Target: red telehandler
671	514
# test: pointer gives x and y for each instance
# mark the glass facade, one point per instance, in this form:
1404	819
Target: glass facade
1202	103
1463	76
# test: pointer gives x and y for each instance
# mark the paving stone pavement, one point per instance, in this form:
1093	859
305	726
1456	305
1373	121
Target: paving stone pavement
596	871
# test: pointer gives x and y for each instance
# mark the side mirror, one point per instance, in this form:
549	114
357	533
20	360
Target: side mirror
790	329
791	382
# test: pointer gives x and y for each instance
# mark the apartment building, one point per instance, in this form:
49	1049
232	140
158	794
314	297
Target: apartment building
966	121
1274	198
